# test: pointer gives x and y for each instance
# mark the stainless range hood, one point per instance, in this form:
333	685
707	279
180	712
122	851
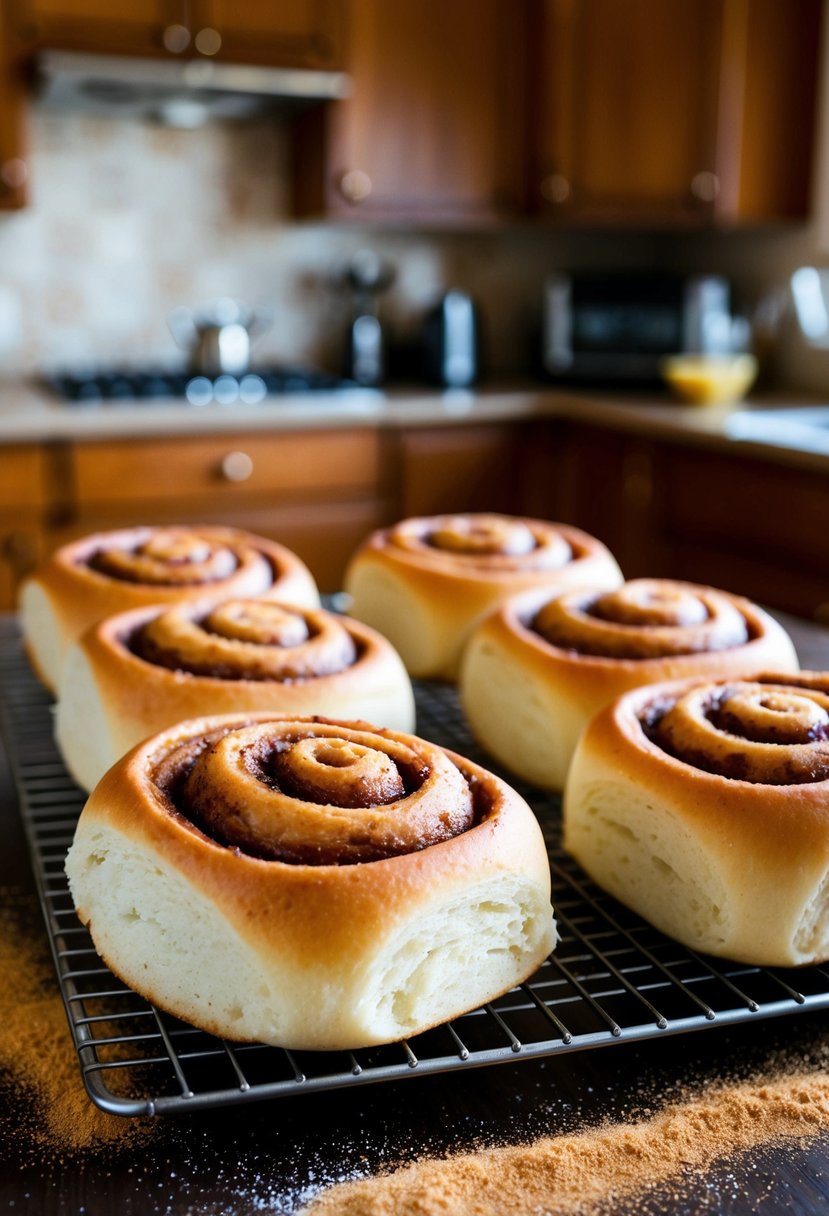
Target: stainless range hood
178	92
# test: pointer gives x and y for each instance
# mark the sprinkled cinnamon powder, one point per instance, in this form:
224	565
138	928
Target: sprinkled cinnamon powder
37	1057
585	1173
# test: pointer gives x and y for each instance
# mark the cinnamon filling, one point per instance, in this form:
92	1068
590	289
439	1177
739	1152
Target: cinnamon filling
489	542
247	640
168	557
313	792
764	734
644	619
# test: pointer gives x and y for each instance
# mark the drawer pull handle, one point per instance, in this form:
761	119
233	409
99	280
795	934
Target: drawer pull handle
556	188
236	466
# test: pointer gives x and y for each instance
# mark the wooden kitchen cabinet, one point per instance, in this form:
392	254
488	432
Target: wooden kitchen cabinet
459	468
658	110
317	492
130	27
24	482
434	128
602	481
290	33
756	527
14	169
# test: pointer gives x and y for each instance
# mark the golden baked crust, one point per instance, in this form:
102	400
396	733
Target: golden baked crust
320	955
703	806
528	698
138	672
109	572
426	581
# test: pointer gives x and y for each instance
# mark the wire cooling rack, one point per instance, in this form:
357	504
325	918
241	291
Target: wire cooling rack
612	979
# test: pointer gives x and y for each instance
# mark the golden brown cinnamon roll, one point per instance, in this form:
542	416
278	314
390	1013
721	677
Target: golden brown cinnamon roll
537	669
703	806
109	572
426	581
137	672
310	883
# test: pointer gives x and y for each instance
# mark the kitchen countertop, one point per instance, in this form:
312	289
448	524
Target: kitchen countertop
267	1156
30	414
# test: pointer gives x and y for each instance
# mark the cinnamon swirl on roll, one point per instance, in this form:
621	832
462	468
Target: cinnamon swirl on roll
137	672
310	883
705	807
109	572
426	581
537	669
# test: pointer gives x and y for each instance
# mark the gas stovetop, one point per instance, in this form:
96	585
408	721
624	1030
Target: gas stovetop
129	387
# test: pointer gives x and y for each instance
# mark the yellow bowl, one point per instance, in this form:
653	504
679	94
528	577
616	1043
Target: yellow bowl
710	379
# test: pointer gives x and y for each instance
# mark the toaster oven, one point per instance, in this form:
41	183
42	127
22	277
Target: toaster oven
601	328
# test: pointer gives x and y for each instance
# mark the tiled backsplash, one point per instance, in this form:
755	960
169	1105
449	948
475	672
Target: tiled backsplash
128	221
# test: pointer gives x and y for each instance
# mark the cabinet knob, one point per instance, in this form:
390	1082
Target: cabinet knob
555	188
637	480
208	41
705	186
175	39
355	185
14	172
236	466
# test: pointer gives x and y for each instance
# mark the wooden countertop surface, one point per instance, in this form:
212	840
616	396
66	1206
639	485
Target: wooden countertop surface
267	1157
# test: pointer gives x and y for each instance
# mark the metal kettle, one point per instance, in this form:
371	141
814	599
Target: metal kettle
218	338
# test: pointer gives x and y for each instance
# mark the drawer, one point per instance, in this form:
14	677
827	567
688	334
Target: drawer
22	478
290	465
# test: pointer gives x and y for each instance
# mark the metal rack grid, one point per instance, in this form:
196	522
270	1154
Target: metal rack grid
612	979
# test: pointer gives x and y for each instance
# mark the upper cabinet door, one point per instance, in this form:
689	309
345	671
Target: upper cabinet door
654	110
129	27
281	33
434	126
625	106
287	33
768	114
14	168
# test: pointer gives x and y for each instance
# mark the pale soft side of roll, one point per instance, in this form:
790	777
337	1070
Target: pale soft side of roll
308	883
110	572
138	672
425	582
705	808
536	670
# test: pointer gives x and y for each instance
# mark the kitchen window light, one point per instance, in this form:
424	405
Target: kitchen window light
810	291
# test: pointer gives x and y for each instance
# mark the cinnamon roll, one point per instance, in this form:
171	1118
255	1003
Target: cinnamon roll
537	669
109	572
426	581
137	672
310	883
703	806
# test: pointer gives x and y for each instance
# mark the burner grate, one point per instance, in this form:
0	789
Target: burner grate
612	979
128	386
